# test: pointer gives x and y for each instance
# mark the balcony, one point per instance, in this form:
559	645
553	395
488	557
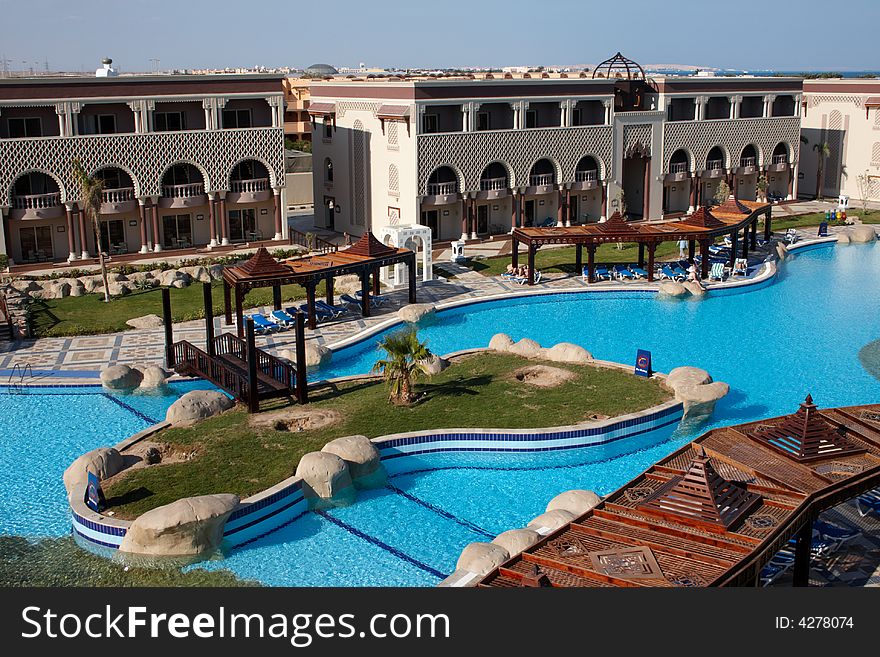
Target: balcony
441	193
540	183
118	201
189	195
37	206
586	179
778	163
747	165
491	188
249	191
714	169
678	171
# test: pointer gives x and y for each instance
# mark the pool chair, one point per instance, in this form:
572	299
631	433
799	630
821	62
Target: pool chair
601	274
868	502
666	272
680	271
791	236
523	280
264	325
549	222
376	300
716	273
638	272
336	311
839	535
717	250
621	272
283	317
320	314
740	267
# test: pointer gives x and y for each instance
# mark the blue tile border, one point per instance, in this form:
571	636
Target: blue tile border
130	409
441	512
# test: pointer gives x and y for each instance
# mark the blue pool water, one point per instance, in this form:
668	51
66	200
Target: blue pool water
44	429
772	344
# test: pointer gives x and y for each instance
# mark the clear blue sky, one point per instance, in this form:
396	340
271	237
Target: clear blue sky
783	35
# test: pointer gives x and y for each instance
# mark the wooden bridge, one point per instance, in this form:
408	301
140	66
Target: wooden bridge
717	510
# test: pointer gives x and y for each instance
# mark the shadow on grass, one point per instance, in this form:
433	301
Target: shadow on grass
134	495
456	388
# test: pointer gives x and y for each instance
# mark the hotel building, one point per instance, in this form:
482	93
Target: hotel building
297	124
474	157
187	161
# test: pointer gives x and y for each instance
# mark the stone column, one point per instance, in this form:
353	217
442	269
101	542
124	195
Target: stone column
464	218
276	195
568	208
647	206
157	240
607	104
71	234
473	217
560	207
514	199
224	221
142	222
604	214
212	227
83	235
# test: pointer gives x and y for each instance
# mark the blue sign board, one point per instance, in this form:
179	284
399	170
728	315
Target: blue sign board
93	494
643	363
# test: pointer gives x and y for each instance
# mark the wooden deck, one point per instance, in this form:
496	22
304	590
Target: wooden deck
716	511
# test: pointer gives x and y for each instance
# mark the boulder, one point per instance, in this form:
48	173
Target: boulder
348	284
77	290
116	277
316	354
550	521
516	540
501	342
26	286
694	288
482	558
862	234
359	453
187	527
672	289
140	277
91	284
781	251
527	348
197	273
104	462
566	352
120	377
145	322
687	376
699	400
415	312
168	278
197	405
576	502
179	283
153	376
119	289
843	238
324	475
56	290
434	365
216	272
152	456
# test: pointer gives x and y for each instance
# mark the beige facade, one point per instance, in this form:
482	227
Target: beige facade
297	124
472	158
845	115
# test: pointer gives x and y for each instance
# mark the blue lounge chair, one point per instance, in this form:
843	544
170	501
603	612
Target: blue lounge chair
680	271
601	273
621	272
283	317
718	250
263	324
337	311
638	272
667	272
549	222
349	300
376	300
320	314
869	502
839	535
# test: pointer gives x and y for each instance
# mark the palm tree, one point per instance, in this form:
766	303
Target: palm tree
90	190
823	151
405	356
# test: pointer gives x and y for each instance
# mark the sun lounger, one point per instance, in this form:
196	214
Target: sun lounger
638	272
601	273
549	222
376	300
740	267
680	271
667	272
621	272
523	280
283	317
320	314
716	273
337	311
869	502
263	324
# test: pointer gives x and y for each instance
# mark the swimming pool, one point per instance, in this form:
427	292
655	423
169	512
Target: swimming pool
44	429
771	344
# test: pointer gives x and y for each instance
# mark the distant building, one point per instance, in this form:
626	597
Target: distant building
845	114
297	124
320	70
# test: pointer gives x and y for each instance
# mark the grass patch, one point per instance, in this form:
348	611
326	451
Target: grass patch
89	315
477	391
816	218
60	562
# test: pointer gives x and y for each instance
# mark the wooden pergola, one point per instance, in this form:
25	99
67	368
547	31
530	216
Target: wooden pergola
715	511
365	258
702	227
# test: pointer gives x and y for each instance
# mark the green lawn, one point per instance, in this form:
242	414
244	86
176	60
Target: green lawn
59	562
478	391
816	218
88	315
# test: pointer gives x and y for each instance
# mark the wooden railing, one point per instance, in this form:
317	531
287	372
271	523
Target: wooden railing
192	360
275	368
317	244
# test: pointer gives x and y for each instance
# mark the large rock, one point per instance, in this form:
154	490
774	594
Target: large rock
359	453
104	462
415	312
77	289
216	272
179	283
197	273
153	376
119	289
577	502
843	238
168	278
781	251
672	289
324	475
145	322
434	365
700	400
550	521
527	348
187	527
316	354
482	558
348	284
120	377
501	342
56	290
91	284
566	352
687	376
197	405
862	234
694	288
116	277
516	540
26	286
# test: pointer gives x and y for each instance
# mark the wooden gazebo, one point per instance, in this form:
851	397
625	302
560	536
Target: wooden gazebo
702	227
364	258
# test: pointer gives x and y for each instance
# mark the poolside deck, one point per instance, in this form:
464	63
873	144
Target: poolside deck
717	510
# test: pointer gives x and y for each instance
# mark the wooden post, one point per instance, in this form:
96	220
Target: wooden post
578	259
227	303
604	199
647	208
209	319
411	275
803	542
514	254
513	202
531	264
754	228
652	247
745	242
253	393
733	237
328	286
302	388
767	227
169	328
591	263
641	254
691	248
276	297
239	311
376	287
310	303
704	258
365	293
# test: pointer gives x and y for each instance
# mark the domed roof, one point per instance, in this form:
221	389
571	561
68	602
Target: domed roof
619	67
321	69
